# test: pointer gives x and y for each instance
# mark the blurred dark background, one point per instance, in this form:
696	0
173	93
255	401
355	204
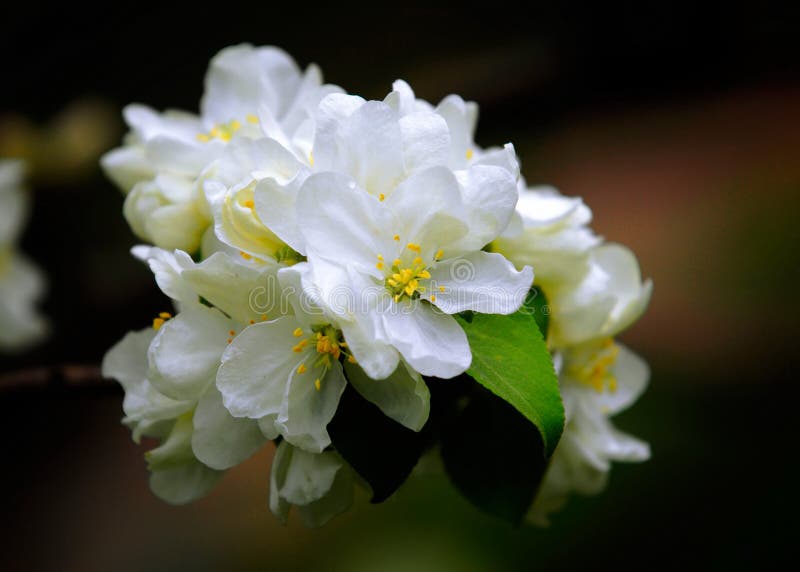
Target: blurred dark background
680	126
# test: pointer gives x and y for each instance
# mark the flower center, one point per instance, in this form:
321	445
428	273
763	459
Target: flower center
403	279
329	346
593	366
225	131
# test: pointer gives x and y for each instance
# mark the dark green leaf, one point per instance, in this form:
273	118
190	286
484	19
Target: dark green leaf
380	450
494	456
510	358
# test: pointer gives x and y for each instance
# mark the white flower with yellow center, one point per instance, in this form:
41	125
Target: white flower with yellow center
289	373
598	380
250	93
21	283
392	270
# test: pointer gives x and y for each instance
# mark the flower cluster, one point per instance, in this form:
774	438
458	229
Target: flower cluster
21	283
322	251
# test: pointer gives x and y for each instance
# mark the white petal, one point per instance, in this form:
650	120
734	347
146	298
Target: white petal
319	484
490	195
632	375
431	342
167	267
376	357
219	440
426	141
240	78
341	222
127	166
185	483
256	368
403	396
245	292
185	354
306	410
482	282
428	210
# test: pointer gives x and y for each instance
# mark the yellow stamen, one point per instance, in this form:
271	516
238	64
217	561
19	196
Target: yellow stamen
232	333
157	323
202	137
251	118
470	153
415	247
417	260
244	255
300	346
439	254
433	297
250	204
396	237
351	359
379	266
165	315
380	257
441	288
235	125
302	368
381	197
298	332
263	317
318	384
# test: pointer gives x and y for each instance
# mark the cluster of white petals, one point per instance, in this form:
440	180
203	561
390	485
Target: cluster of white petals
21	283
311	239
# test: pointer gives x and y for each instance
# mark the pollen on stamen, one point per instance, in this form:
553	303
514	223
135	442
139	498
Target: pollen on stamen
157	323
439	254
441	288
300	346
318	384
414	247
417	260
381	197
165	315
250	204
433	297
302	368
396	237
379	266
469	154
298	332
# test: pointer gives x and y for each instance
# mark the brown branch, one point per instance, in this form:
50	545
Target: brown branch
66	378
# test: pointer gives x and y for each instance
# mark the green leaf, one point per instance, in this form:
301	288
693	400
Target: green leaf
380	450
536	305
494	455
510	359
